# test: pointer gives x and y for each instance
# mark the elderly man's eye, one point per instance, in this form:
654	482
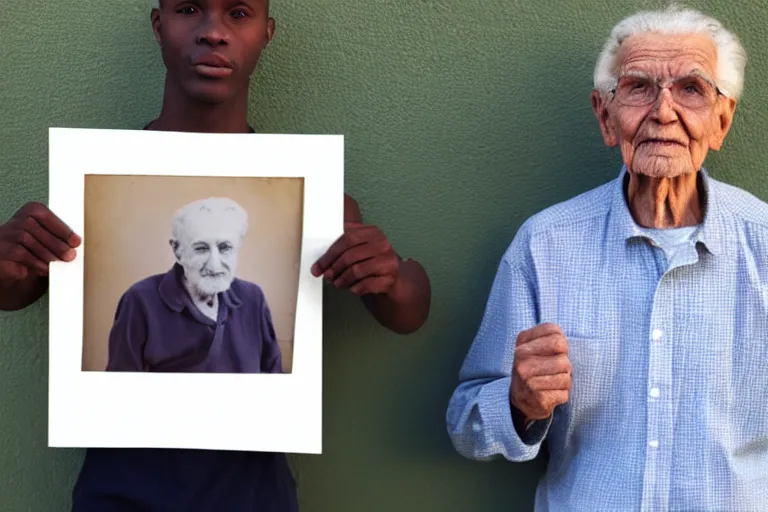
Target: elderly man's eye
225	248
692	89
201	249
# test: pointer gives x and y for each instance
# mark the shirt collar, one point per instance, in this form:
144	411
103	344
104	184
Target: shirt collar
710	235
175	296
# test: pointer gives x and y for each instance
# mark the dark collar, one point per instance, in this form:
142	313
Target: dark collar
146	127
175	295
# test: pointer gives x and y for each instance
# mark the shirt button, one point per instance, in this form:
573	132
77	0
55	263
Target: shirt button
656	334
655	393
653	444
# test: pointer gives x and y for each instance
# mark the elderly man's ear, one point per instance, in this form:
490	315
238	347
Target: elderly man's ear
175	247
600	108
725	108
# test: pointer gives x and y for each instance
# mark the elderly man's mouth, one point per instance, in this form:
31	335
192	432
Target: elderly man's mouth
663	142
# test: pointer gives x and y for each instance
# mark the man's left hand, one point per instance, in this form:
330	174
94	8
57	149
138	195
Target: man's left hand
362	260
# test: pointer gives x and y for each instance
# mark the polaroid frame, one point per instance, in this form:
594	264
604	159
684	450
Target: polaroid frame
248	412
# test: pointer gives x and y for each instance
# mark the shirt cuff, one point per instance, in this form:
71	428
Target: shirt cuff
498	432
533	431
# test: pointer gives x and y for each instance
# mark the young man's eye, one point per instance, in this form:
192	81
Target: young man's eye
238	14
186	10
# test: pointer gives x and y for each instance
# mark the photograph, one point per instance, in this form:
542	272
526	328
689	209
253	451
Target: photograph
190	318
204	277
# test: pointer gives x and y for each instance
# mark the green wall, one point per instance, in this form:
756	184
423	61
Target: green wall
462	118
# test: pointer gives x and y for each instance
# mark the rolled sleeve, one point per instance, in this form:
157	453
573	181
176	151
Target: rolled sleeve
479	415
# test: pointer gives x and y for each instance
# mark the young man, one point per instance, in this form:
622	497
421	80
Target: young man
210	48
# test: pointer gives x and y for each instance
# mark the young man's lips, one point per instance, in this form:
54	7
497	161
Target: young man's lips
213	65
213	71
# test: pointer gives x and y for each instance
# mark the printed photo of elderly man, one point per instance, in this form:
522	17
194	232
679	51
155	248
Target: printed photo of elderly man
186	274
198	316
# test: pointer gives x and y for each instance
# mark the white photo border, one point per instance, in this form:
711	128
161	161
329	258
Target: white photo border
247	412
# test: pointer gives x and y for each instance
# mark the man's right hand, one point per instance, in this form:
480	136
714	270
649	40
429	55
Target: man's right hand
29	241
541	374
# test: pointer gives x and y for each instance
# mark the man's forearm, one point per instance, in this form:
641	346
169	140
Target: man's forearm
406	307
17	295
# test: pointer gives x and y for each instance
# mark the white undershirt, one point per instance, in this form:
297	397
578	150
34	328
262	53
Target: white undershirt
208	308
673	241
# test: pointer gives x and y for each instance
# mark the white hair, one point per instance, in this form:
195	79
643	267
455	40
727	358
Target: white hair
731	56
218	206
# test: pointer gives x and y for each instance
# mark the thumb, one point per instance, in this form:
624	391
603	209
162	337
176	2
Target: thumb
12	271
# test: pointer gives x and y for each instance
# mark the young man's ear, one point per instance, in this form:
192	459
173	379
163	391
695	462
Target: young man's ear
270	29
157	25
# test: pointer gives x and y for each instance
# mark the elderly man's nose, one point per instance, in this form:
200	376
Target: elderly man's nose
663	109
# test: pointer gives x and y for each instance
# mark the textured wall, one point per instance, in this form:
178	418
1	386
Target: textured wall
462	119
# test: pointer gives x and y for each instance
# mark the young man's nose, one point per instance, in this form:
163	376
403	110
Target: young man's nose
213	31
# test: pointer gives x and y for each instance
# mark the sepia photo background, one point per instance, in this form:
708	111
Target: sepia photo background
128	225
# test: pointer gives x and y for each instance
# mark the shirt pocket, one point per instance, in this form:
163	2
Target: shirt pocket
594	362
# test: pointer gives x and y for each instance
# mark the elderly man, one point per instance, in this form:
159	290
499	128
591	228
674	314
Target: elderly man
197	317
629	326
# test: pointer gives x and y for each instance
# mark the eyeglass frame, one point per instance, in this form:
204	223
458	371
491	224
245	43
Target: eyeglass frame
658	83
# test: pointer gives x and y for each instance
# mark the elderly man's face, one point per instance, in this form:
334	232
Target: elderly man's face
665	138
208	253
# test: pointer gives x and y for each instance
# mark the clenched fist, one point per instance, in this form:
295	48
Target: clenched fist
541	373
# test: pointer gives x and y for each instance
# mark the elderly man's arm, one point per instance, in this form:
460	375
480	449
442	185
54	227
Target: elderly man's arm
128	335
482	423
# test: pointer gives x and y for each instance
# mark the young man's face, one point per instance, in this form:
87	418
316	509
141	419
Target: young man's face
211	47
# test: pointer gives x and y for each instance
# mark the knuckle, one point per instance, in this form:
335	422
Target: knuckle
25	238
29	207
18	253
525	370
38	208
28	223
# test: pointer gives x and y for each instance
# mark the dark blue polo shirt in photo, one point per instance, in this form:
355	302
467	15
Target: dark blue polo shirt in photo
157	328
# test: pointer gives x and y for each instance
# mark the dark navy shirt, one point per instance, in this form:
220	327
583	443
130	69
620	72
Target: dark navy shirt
157	328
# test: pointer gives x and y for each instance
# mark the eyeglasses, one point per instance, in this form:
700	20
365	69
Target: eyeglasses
693	91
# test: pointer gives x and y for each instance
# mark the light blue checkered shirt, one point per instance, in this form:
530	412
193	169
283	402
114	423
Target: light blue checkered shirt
670	363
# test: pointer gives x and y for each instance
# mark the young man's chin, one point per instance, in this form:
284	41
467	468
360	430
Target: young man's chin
211	93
